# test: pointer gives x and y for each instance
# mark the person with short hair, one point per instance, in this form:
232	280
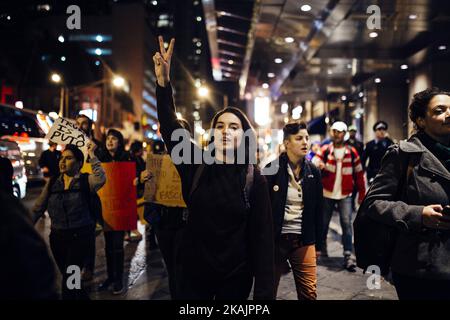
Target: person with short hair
49	160
353	141
85	123
341	171
296	195
375	150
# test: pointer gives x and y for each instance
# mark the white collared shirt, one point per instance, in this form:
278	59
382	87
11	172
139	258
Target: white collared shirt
294	206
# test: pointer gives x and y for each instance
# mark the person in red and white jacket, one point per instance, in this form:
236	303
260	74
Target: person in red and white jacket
341	170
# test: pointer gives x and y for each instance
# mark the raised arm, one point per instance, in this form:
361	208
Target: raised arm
166	108
168	119
98	177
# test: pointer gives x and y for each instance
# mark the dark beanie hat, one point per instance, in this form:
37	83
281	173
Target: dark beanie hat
76	152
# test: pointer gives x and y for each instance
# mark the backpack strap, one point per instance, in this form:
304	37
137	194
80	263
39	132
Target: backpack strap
406	168
86	191
325	154
249	178
196	179
353	156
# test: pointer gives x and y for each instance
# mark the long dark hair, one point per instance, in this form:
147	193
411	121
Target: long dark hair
248	142
120	153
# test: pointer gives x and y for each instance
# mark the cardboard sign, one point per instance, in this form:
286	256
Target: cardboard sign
118	196
64	131
165	186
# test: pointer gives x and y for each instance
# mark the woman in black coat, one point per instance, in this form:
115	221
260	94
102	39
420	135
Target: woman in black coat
420	260
228	237
296	195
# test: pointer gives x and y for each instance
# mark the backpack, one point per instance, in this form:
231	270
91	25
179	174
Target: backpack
374	241
92	198
245	192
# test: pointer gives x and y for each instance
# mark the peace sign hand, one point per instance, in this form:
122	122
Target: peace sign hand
162	62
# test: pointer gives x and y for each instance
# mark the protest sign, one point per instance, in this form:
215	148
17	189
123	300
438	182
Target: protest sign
118	196
64	131
165	186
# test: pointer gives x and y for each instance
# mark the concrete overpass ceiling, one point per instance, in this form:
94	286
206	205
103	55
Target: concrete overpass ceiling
330	45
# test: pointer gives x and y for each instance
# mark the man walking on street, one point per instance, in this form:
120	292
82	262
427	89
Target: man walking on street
354	142
341	170
375	150
49	161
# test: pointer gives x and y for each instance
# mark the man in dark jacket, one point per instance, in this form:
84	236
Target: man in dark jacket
353	141
296	197
49	161
375	150
84	123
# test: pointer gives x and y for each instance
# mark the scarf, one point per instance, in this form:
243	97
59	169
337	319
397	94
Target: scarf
440	151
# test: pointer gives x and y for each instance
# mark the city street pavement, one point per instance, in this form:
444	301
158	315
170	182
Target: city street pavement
147	278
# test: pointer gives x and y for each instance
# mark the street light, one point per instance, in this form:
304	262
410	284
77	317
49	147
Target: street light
118	82
203	92
56	78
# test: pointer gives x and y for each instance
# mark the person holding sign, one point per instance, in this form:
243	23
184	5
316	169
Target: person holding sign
84	123
168	220
67	198
228	239
115	152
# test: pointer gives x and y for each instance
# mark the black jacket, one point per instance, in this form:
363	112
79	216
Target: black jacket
221	238
419	251
312	221
374	152
27	268
50	159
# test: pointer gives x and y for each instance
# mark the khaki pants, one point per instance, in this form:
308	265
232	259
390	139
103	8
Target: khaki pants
303	263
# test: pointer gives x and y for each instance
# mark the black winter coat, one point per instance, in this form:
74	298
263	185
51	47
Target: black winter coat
419	251
312	217
221	237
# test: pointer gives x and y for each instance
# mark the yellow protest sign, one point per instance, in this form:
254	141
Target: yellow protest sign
165	186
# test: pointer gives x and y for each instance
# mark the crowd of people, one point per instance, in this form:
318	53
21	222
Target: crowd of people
243	225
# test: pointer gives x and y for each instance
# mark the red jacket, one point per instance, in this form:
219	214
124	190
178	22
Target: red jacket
351	170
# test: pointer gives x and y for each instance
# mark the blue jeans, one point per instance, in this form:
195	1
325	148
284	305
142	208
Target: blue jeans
345	217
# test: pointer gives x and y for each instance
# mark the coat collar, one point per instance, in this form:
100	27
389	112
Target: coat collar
428	161
283	163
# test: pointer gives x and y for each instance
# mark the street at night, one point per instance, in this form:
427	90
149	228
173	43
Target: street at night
205	151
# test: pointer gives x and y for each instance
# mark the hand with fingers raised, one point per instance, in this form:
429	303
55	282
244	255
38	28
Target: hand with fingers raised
162	62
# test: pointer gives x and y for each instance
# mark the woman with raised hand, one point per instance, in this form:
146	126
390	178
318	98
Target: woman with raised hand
228	240
67	198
